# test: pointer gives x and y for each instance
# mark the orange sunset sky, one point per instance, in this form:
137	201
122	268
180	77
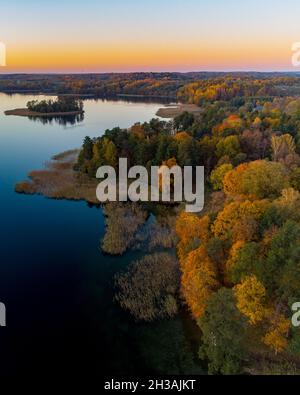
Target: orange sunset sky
173	35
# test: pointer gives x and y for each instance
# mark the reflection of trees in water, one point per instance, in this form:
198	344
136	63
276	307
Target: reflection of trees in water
134	99
61	120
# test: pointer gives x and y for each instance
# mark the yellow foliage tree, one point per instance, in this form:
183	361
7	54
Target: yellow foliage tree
181	136
250	296
259	179
276	337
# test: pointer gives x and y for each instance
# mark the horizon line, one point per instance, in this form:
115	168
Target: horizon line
149	72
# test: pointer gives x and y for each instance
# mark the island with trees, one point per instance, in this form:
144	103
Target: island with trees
235	266
62	106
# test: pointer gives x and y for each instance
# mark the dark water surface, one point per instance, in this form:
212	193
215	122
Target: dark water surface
54	280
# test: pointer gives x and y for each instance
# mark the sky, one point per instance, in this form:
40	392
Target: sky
148	35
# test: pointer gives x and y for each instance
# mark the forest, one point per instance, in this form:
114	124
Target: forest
236	267
184	86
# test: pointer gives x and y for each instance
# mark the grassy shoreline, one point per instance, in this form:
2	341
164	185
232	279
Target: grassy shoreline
59	181
173	111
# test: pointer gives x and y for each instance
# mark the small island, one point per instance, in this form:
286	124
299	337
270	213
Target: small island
62	106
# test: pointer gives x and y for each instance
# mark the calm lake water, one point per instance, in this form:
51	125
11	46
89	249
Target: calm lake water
54	280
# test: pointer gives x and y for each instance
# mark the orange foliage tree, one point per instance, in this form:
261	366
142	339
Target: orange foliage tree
199	281
191	230
234	212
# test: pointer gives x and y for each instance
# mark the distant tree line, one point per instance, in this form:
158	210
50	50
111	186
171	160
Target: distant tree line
191	87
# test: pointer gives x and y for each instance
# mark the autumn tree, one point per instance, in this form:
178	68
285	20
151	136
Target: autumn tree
217	175
191	230
261	179
250	295
199	281
276	337
282	146
245	211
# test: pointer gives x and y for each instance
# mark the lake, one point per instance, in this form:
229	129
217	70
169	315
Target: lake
54	280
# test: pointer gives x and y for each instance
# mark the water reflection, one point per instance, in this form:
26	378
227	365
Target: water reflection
136	99
60	120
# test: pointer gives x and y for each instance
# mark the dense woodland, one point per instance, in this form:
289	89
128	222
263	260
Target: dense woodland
99	85
154	84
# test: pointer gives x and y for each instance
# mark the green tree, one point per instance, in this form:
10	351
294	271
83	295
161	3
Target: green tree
184	121
295	178
245	262
87	148
224	334
228	146
280	271
111	154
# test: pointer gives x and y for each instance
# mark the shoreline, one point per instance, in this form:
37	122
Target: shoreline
146	96
59	181
24	112
86	95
